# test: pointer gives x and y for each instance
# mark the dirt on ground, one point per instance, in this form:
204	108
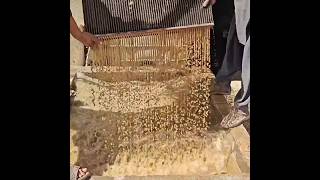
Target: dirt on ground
149	128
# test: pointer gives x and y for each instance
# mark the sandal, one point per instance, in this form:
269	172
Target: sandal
74	173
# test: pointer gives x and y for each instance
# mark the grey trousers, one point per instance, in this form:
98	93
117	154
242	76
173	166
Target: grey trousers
242	98
237	58
232	62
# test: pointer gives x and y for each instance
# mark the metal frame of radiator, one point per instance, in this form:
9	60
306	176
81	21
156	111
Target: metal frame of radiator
189	45
133	18
105	17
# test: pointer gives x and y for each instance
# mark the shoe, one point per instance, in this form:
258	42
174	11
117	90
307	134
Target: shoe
235	118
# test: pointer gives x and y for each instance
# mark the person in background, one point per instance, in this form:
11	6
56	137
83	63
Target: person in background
87	39
237	58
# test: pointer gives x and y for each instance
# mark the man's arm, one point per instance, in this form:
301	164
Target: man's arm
86	38
74	30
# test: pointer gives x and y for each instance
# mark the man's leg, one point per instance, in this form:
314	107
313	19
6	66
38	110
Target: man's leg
218	51
231	64
223	12
243	97
240	112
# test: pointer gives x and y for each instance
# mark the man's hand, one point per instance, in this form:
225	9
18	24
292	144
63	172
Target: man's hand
88	39
206	3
